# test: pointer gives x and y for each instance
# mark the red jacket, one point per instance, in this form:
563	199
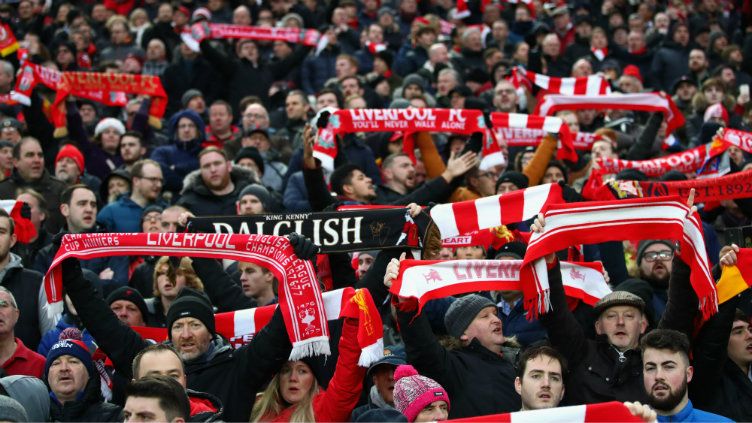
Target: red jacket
337	403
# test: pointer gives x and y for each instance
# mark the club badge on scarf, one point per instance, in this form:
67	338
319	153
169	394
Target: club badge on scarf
299	294
599	221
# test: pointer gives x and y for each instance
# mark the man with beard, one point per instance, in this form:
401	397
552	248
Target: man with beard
214	190
654	260
398	173
667	372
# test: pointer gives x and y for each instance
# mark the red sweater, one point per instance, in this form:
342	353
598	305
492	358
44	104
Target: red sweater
337	403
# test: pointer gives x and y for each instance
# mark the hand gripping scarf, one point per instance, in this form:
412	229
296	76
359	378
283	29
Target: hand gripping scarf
736	279
464	217
75	83
587	85
727	187
613	411
299	294
646	102
635	219
240	326
203	30
427	280
549	124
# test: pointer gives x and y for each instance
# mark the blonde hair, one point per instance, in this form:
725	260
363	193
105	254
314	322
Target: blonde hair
185	269
270	404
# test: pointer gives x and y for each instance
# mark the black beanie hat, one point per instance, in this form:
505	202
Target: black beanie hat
129	294
517	178
191	303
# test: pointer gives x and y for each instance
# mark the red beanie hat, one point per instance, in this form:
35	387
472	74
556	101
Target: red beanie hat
632	70
70	151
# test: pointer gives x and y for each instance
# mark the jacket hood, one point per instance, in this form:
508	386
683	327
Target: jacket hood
31	393
172	127
205	407
239	176
14	263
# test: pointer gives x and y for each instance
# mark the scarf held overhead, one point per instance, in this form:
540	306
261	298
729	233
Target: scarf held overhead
299	294
685	161
74	83
464	217
634	219
32	74
586	85
555	125
427	280
203	30
735	137
334	232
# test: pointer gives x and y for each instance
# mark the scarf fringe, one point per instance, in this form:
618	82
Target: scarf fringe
310	347
371	353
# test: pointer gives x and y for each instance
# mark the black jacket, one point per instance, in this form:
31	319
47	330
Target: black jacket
478	381
25	284
597	373
90	408
50	188
197	197
234	376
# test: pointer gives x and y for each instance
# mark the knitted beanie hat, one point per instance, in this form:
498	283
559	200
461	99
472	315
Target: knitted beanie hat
70	151
413	392
462	312
74	348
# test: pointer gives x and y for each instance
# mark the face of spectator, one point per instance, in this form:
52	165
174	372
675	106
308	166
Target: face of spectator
629	84
258	140
433	412
662	22
156	51
169	287
6	159
25	10
295	380
426	39
64	56
215	170
343	68
598	40
249	164
30	164
681	35
356	103
149	184
152	223
110	139
666	375
473	41
542	384
635	41
740	344
9	312
350	87
383	380
295	107
585	116
144	409
685	91
365	261
67	377
248	50
164	13
119	34
266	18
361	187
445	83
506	187
88	113
220	118
582	68
249	204
255	116
115	187
470	253
736	155
486	327
130	149
402	172
187	130
551	45
281	49
602	149
241	16
169	221
697	61
326	100
162	363
728	77
438	53
656	264
127	312
179	19
190	337
254	279
375	34
623	326
67	170
553	175
713	94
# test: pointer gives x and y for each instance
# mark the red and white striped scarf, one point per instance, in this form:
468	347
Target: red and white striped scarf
518	137
635	219
741	139
299	294
426	280
646	102
548	124
25	230
588	85
686	161
465	217
240	326
613	411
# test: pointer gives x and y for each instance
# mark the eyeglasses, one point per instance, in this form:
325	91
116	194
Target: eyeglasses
153	179
655	255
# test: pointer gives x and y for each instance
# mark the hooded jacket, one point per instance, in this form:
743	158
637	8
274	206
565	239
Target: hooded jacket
178	158
31	393
204	407
199	199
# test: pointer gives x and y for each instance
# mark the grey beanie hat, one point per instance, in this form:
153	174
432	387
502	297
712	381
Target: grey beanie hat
462	312
260	192
11	410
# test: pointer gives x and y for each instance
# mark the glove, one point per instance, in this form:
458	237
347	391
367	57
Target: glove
569	194
323	119
25	211
475	143
304	248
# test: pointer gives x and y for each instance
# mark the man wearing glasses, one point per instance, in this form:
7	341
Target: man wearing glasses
124	215
654	258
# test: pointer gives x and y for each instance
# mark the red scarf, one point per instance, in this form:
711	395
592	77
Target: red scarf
8	42
635	219
738	138
548	124
25	230
587	85
111	84
203	30
728	187
427	280
465	217
685	161
527	137
646	102
299	295
240	326
613	411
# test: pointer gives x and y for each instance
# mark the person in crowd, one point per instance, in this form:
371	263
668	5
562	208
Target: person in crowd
419	398
258	283
38	210
16	358
124	215
70	168
156	398
186	131
132	149
31	393
129	306
540	377
381	374
170	276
